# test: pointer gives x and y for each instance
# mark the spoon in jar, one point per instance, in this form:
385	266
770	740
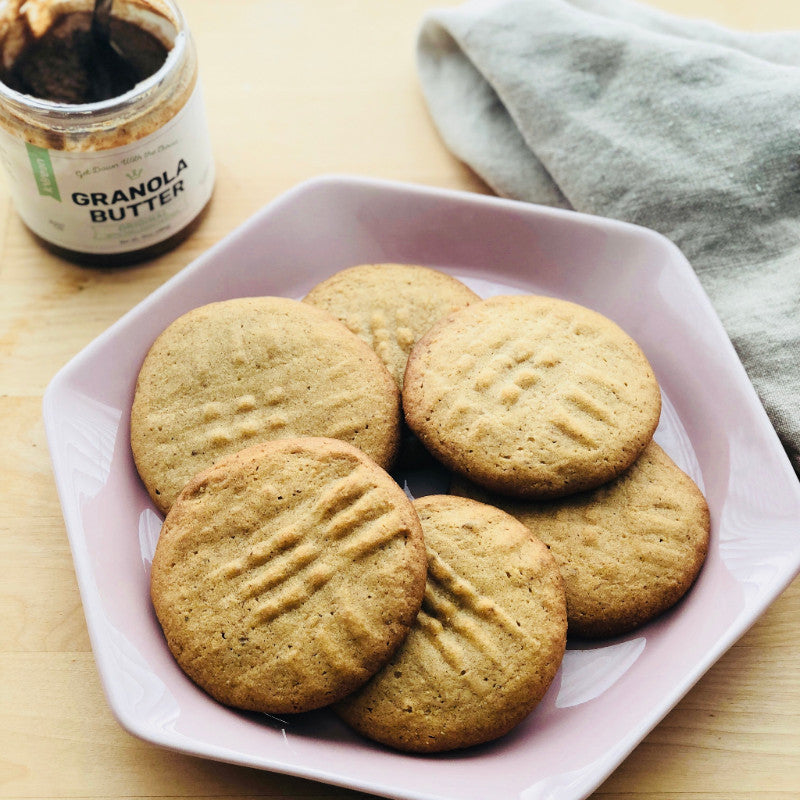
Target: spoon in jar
112	74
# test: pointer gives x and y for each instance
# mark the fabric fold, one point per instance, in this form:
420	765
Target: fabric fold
615	109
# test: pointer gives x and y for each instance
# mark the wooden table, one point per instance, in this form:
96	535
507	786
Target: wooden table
293	89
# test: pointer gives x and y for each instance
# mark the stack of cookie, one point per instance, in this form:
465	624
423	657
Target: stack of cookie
545	409
292	571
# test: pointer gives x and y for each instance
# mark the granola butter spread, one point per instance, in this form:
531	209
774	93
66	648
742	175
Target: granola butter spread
66	64
107	153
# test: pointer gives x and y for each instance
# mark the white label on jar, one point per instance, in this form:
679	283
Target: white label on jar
116	200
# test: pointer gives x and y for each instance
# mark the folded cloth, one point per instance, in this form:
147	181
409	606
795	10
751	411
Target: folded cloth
619	110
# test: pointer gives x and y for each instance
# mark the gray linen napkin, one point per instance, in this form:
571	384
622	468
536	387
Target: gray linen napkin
619	110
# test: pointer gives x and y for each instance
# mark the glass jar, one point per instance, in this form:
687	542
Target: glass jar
111	181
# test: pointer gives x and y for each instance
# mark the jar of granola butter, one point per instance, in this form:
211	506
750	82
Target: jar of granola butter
108	154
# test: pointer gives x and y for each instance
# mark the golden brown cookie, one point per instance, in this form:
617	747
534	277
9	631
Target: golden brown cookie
287	574
531	396
390	306
486	645
628	550
234	373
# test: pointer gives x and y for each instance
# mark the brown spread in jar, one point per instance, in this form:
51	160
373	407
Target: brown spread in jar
68	65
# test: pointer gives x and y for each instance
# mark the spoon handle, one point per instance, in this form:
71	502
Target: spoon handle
101	19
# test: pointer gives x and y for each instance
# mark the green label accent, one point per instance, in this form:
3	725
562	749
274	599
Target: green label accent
43	171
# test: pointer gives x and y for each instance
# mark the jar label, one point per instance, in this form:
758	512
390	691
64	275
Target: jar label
116	200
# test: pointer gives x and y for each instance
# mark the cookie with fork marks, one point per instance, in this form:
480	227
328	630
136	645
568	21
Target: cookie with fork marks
237	372
390	306
287	574
487	642
531	396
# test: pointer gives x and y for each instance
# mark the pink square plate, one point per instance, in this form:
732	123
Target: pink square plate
607	695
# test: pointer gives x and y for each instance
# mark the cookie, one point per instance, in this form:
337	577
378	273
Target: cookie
390	306
287	574
531	396
486	645
237	372
628	550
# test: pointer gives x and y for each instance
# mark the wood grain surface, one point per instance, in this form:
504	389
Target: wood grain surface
293	88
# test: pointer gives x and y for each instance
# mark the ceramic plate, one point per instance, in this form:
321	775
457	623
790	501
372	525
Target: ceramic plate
607	696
